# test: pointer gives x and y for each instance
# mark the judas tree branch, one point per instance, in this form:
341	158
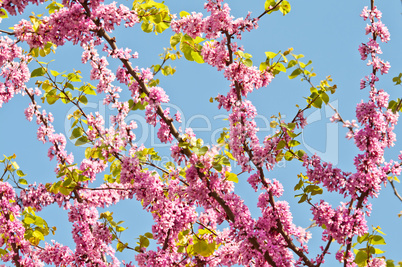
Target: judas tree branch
395	191
6	32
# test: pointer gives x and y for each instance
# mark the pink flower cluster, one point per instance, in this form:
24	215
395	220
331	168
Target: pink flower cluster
14	70
73	24
218	22
248	78
340	223
376	29
92	237
46	133
12	6
38	197
11	229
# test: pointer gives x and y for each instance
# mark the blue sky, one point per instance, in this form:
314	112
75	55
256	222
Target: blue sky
326	32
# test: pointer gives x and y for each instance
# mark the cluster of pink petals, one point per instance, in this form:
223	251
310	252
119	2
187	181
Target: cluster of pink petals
46	133
14	6
219	21
14	70
11	230
73	24
340	223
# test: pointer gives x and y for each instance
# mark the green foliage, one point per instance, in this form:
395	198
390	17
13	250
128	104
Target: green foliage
202	244
36	228
43	52
397	80
3	13
309	189
62	90
143	241
365	254
155	17
11	168
54	6
390	263
197	244
275	5
231	177
287	146
244	58
395	106
191	48
318	94
275	62
114	228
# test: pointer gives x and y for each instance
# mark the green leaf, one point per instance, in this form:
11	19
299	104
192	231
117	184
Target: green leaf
377	240
231	177
288	156
270	55
120	246
378	251
263	66
175	39
185	47
317	103
20	173
38	72
397	79
299	56
324	97
361	258
217	166
15	165
269	3
294	143
390	263
144	242
363	238
120	229
149	235
299	185
3	13
300	153
291	63
184	14
28	219
202	248
248	62
230	156
67	182
65	191
54	73
197	57
303	198
83	99
81	141
38	235
22	181
147	27
295	73
87	90
280	67
39	222
202	150
281	145
77	132
285	7
88	152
